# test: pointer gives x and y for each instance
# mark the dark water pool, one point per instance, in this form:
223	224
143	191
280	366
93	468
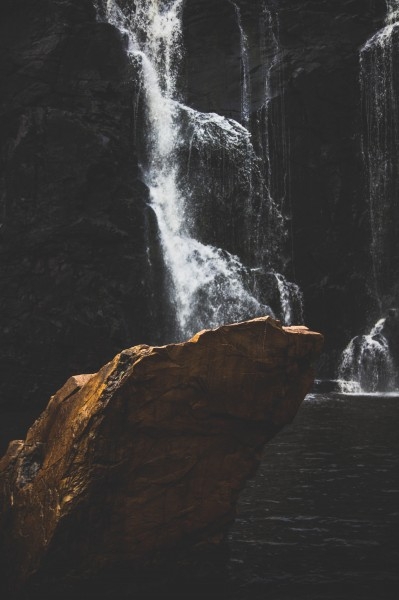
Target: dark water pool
321	519
319	522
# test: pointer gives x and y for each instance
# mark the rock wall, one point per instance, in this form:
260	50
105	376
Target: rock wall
81	276
315	95
75	233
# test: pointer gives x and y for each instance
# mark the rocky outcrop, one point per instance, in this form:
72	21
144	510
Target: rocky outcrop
149	455
75	229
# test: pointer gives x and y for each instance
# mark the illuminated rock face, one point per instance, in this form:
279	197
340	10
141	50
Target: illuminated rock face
149	454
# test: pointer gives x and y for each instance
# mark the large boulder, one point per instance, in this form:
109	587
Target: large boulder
148	456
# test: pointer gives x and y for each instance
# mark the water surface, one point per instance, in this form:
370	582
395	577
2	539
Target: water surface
319	522
321	519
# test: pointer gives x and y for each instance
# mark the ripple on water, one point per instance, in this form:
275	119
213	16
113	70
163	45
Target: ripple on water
321	521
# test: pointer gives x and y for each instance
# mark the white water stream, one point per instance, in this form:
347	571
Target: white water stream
245	75
380	141
367	362
209	286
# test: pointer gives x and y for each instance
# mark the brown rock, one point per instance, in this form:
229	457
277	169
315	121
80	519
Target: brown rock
149	454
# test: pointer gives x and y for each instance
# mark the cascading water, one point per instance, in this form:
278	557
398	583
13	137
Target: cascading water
366	363
208	286
291	300
379	85
367	360
271	116
245	77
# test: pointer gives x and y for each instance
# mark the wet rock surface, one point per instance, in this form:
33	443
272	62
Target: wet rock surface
310	52
81	272
391	333
74	232
148	456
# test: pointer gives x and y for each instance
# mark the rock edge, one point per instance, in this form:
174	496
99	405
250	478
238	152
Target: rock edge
148	455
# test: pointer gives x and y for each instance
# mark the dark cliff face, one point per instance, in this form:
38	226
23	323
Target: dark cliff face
74	286
81	276
329	197
315	126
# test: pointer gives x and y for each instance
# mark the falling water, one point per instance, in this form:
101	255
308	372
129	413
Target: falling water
275	151
290	299
366	363
245	75
378	78
274	137
208	285
367	359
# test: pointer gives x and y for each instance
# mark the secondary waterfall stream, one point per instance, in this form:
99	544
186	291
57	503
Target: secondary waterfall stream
367	362
380	141
245	75
208	285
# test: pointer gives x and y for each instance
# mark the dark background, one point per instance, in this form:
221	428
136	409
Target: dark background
81	275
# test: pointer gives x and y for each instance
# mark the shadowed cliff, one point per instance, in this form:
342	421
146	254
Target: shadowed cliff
81	272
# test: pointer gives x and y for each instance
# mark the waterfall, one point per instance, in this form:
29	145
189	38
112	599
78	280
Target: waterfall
380	143
245	75
366	363
271	118
367	360
392	12
290	299
208	285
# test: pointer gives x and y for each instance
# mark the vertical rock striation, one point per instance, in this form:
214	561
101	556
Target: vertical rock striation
81	271
75	230
314	90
